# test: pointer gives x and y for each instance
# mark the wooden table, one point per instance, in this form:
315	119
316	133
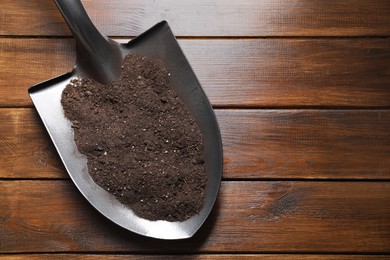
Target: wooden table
301	89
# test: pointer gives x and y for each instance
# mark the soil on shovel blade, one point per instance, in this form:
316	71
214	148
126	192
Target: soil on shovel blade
142	144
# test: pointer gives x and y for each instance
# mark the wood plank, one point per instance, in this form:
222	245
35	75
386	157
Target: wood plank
308	144
252	217
25	147
191	257
235	73
208	18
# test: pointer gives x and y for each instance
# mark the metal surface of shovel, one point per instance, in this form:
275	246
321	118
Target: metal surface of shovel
101	58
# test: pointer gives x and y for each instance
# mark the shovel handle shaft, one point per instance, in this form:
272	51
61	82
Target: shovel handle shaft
98	57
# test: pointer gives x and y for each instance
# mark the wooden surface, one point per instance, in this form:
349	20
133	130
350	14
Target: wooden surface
235	73
304	216
260	143
191	257
208	18
301	90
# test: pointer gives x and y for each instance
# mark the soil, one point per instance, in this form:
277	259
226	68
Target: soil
142	144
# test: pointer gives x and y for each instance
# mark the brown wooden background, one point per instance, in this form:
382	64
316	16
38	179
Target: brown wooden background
301	89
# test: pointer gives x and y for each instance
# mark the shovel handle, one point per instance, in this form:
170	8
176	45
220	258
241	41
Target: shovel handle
98	57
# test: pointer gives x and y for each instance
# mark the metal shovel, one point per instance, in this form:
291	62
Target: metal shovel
100	58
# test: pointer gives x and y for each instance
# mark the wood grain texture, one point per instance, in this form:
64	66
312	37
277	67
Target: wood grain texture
207	18
307	144
51	216
189	257
235	73
301	181
25	147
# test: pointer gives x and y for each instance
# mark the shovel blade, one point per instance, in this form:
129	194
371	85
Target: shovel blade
157	43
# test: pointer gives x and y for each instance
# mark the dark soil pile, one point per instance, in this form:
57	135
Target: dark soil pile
142	144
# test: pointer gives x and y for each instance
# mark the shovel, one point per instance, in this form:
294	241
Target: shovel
100	58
